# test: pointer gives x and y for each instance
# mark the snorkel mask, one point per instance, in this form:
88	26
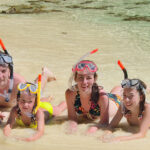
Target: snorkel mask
80	66
5	58
32	88
28	86
130	83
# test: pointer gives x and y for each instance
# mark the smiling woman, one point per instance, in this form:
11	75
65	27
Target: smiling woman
88	99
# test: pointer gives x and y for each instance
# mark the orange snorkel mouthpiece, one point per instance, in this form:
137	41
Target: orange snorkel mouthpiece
94	51
123	69
3	47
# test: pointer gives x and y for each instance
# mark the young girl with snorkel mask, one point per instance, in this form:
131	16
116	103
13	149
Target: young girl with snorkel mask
30	111
87	100
134	108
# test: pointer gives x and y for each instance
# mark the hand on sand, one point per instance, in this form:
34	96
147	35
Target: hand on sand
107	137
72	127
24	139
91	130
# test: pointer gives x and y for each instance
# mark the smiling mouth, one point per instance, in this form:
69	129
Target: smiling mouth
25	108
84	87
128	105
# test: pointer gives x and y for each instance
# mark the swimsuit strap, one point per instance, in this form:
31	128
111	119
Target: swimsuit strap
94	108
77	105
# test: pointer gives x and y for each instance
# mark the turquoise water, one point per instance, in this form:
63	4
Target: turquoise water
133	16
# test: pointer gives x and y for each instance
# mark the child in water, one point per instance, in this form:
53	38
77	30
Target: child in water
134	108
26	113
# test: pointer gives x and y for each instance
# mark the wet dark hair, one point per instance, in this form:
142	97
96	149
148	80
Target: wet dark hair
33	118
142	86
95	91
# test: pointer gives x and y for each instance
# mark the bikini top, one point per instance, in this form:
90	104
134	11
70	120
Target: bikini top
20	123
94	108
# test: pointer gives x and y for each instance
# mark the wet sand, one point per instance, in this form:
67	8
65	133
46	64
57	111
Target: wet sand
57	41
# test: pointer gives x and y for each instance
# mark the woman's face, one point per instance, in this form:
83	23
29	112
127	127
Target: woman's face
85	80
26	102
131	98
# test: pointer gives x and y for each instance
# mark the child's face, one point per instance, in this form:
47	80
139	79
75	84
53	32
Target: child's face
26	102
131	98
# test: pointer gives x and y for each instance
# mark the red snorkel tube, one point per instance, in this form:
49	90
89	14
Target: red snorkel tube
3	47
123	69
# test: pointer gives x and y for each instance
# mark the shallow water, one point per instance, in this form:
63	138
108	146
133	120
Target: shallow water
58	39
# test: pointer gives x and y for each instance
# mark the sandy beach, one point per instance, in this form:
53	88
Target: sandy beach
57	40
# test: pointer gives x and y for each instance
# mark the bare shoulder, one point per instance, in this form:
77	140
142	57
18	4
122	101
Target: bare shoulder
70	92
14	109
147	107
18	79
70	95
102	96
102	92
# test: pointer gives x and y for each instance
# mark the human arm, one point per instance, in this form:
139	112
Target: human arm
71	112
116	119
103	103
104	108
143	128
107	137
40	127
10	123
